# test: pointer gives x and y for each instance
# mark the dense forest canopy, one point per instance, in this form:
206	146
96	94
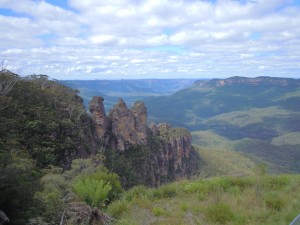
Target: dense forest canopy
43	127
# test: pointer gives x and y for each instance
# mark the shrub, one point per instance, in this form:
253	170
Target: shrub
99	188
168	191
92	191
158	211
135	192
155	194
242	183
117	208
276	182
274	202
197	187
113	180
184	207
219	213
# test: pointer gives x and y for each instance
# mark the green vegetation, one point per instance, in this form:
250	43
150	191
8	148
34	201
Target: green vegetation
84	182
282	155
92	191
258	199
261	121
43	127
51	169
98	189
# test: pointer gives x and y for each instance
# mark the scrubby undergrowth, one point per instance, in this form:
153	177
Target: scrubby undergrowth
258	199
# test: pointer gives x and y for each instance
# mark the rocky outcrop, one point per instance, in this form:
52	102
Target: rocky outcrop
98	113
175	155
129	125
163	153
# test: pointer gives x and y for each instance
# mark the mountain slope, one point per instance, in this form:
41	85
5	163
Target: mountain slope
258	116
129	90
206	99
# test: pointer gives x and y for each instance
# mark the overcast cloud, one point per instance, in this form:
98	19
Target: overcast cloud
110	39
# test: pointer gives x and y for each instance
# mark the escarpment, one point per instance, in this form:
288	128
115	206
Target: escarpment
140	153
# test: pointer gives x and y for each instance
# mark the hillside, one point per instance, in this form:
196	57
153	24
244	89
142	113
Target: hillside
259	199
129	90
257	116
60	163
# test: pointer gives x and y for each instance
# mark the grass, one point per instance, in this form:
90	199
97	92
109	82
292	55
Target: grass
224	156
257	199
250	116
217	161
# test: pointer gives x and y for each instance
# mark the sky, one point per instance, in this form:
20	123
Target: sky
130	39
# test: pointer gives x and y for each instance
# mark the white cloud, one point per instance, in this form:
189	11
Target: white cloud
152	37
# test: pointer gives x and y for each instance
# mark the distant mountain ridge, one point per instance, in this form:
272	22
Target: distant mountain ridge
258	116
129	90
247	81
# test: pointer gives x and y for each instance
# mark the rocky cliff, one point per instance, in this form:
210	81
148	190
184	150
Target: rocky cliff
150	155
247	81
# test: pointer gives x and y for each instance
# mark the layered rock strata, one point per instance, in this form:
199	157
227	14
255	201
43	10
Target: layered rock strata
171	155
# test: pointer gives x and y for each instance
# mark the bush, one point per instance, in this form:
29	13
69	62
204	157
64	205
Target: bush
117	208
135	192
242	183
92	191
111	178
158	211
274	202
219	213
99	188
197	187
276	182
168	191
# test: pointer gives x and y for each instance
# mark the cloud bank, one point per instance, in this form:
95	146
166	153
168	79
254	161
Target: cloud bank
127	39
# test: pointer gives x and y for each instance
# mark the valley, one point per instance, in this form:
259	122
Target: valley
111	164
259	117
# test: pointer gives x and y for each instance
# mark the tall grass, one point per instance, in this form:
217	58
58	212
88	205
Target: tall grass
259	199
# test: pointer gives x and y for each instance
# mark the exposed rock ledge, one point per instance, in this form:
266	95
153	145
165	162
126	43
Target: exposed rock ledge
171	153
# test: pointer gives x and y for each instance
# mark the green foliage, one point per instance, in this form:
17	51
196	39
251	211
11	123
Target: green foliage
220	200
43	123
158	211
43	118
219	213
129	164
92	191
117	208
98	189
274	202
52	205
135	192
18	182
112	179
165	191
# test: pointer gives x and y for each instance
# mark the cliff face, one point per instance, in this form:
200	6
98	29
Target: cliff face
175	155
101	120
155	154
257	81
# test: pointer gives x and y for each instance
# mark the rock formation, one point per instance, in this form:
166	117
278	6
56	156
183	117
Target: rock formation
169	152
101	120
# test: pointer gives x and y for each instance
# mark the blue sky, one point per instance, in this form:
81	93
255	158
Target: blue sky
128	39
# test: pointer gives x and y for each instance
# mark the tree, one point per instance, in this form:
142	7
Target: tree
7	81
